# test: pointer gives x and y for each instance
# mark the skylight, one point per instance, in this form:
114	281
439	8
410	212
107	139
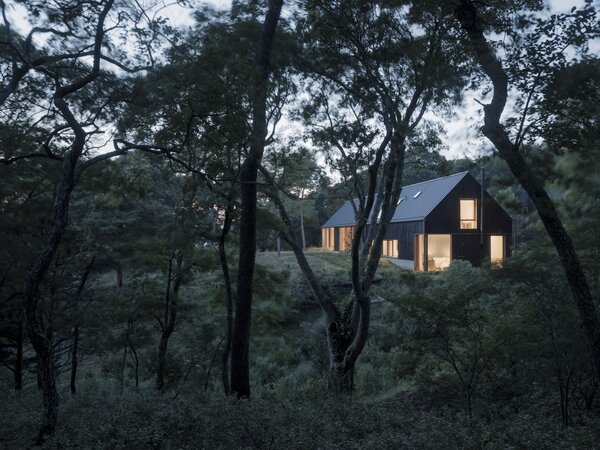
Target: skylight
400	201
417	194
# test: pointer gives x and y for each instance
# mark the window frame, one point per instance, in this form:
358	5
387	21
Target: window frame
463	222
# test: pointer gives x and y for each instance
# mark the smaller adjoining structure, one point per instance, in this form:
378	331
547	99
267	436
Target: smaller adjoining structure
435	222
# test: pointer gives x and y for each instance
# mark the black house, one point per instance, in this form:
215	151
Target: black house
435	221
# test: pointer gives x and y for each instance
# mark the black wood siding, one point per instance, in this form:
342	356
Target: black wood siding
445	218
404	232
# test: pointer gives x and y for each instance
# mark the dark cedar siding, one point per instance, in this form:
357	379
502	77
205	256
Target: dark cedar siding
466	247
466	244
445	217
404	232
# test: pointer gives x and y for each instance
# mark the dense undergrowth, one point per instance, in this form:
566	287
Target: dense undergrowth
458	359
100	418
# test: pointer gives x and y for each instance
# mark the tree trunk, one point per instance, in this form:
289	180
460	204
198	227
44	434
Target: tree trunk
45	360
168	323
162	352
466	13
136	365
74	359
240	345
123	369
229	299
302	230
75	345
37	318
19	359
341	379
136	361
119	273
469	404
213	360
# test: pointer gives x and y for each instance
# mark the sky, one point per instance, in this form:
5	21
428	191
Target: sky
462	136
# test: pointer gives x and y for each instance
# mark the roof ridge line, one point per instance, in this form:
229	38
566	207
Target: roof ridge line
420	182
434	179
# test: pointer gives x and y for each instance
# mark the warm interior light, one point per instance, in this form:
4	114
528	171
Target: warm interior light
468	214
497	250
438	251
390	248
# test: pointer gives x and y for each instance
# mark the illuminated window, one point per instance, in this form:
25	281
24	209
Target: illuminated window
438	254
439	251
328	238
390	248
496	250
468	214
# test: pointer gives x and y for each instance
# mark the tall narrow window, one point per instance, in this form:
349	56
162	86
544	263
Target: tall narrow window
497	250
468	214
420	253
390	248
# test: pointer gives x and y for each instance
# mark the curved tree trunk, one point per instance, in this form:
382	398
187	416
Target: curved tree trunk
38	316
37	313
240	344
466	13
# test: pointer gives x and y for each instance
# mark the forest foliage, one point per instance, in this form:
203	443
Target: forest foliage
162	190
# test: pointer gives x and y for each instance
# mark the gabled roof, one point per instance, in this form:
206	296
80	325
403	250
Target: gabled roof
432	192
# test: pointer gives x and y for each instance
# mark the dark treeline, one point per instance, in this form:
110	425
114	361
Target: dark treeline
162	190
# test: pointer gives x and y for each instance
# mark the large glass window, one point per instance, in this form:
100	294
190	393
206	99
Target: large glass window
497	250
468	214
438	251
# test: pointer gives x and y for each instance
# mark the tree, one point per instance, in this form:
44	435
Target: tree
545	53
80	100
240	343
211	137
371	65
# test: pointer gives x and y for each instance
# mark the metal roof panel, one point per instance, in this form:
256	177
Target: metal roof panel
432	192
